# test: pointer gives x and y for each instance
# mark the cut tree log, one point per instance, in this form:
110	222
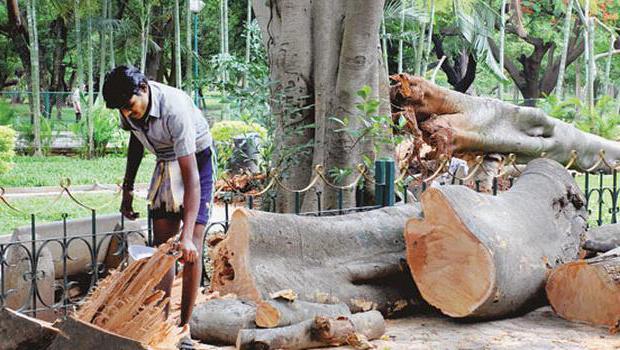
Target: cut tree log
20	279
318	332
453	123
18	331
356	259
127	305
603	238
280	313
478	255
588	290
218	321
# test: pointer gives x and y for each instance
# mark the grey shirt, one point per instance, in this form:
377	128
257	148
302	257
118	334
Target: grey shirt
174	126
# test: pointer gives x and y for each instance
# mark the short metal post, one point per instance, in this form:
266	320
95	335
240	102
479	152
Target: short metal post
390	177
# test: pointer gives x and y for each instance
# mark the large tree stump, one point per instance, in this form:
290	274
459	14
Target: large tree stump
318	332
487	256
355	259
588	291
603	238
18	331
453	123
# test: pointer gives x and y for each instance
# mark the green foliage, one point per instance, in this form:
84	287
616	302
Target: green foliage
602	120
368	124
7	113
7	144
105	128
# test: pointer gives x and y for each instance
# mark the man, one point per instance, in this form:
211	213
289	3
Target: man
165	121
75	100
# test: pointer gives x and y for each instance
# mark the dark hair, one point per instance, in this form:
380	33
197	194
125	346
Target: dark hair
121	83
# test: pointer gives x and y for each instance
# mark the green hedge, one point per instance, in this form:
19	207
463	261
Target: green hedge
224	131
7	146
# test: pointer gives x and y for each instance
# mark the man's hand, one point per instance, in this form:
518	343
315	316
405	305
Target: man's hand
189	251
127	206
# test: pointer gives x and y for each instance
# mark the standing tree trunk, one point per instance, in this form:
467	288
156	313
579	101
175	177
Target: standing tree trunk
102	47
188	48
78	43
248	40
145	23
35	82
568	20
502	44
177	46
320	54
400	40
91	88
111	38
588	291
429	39
477	255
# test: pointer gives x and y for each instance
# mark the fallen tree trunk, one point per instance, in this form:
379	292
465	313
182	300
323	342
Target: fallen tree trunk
477	255
219	321
603	238
354	259
18	331
588	290
318	332
280	313
453	123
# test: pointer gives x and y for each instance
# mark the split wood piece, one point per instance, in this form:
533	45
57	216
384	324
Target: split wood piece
478	255
603	239
18	331
453	123
588	290
127	304
318	332
218	321
280	313
356	259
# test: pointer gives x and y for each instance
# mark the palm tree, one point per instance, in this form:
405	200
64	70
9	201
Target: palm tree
35	83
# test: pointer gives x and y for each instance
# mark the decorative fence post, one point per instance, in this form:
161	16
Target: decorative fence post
384	182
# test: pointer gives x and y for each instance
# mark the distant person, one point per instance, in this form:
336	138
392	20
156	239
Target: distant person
165	121
75	100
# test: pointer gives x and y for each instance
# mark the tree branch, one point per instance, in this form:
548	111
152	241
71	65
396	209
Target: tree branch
512	69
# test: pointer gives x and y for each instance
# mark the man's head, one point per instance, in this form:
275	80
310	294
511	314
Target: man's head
126	89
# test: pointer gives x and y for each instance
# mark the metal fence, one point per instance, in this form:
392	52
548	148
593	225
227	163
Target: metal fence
22	270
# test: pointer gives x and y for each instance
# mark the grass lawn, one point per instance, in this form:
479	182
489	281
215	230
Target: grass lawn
48	209
48	171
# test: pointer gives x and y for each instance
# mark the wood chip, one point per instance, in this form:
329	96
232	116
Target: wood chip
286	294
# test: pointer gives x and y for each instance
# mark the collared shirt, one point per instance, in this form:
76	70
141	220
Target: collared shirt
174	126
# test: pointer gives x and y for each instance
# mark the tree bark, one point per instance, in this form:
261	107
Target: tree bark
588	290
219	321
320	54
313	333
18	331
35	81
603	239
354	259
78	42
281	313
456	124
475	255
